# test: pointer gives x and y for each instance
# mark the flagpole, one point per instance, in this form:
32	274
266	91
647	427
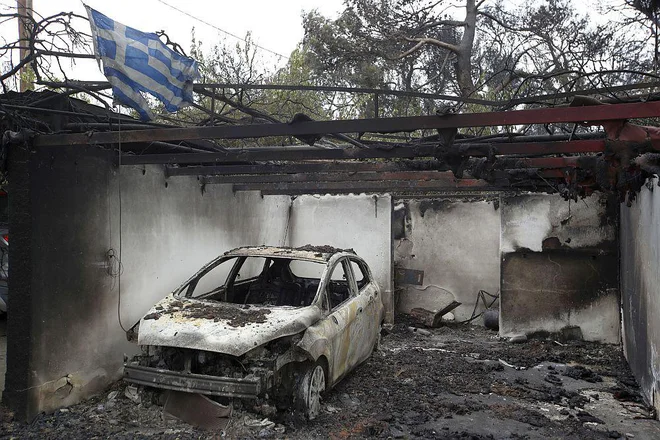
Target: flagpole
24	9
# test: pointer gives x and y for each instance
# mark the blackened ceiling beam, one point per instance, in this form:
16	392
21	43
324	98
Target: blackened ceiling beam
443	176
317	167
395	187
391	152
412	193
357	166
376	125
445	193
312	187
419	176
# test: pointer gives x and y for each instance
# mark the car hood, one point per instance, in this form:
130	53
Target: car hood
220	327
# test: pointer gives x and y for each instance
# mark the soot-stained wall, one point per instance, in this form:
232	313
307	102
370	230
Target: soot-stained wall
456	242
559	266
360	222
640	288
64	339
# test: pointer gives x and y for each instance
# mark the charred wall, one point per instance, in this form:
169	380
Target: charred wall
66	213
455	241
59	299
640	281
559	267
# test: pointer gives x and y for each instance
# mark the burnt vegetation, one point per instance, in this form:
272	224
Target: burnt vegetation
393	58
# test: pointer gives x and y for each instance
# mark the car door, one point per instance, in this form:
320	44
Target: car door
369	295
342	315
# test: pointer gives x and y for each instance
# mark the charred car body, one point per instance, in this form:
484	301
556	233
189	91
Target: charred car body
280	323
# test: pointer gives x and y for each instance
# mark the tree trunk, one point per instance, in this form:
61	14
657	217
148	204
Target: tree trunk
463	65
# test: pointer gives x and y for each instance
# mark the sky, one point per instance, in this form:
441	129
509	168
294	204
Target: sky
275	24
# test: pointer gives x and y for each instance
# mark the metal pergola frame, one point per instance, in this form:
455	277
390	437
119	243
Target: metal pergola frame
428	165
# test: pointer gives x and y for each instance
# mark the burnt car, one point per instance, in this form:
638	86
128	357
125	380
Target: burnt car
262	322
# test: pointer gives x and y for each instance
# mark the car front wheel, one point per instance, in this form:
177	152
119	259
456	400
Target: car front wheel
308	393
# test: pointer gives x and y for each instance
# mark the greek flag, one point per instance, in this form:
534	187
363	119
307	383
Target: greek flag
138	62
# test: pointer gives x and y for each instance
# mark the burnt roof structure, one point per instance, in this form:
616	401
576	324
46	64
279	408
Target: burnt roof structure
619	159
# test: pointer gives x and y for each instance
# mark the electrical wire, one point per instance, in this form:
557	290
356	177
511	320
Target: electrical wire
221	30
481	295
120	255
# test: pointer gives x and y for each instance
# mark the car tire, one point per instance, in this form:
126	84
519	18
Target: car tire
308	392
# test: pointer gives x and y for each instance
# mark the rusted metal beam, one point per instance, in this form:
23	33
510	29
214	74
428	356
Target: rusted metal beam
316	167
535	173
443	176
377	125
551	162
358	166
403	152
366	187
412	193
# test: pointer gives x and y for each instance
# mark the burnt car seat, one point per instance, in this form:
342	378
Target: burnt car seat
276	287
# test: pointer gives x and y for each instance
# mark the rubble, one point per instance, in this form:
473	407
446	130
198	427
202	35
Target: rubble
197	410
414	387
433	318
517	339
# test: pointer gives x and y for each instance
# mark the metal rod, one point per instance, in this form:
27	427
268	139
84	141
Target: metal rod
332	177
381	185
419	176
317	167
387	92
381	125
407	192
305	154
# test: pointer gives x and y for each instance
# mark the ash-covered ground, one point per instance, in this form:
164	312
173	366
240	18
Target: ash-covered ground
458	382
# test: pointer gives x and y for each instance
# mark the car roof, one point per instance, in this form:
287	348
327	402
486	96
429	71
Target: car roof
321	254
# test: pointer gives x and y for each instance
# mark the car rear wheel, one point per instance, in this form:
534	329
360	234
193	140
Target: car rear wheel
308	393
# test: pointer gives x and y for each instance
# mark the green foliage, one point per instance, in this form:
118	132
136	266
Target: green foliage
521	48
534	47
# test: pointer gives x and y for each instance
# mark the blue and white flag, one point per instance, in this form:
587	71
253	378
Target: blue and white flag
135	62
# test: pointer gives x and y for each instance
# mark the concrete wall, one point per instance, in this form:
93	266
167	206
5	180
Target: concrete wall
64	340
361	222
640	289
457	245
559	266
169	232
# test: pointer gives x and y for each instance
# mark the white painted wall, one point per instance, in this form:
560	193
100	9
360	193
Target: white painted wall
457	245
361	222
640	288
163	234
168	233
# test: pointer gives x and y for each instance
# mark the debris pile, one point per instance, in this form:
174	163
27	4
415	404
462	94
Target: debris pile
431	384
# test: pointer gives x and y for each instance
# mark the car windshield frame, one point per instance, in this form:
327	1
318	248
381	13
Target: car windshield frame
186	290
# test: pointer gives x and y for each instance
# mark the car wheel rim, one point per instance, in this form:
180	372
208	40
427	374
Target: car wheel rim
316	386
